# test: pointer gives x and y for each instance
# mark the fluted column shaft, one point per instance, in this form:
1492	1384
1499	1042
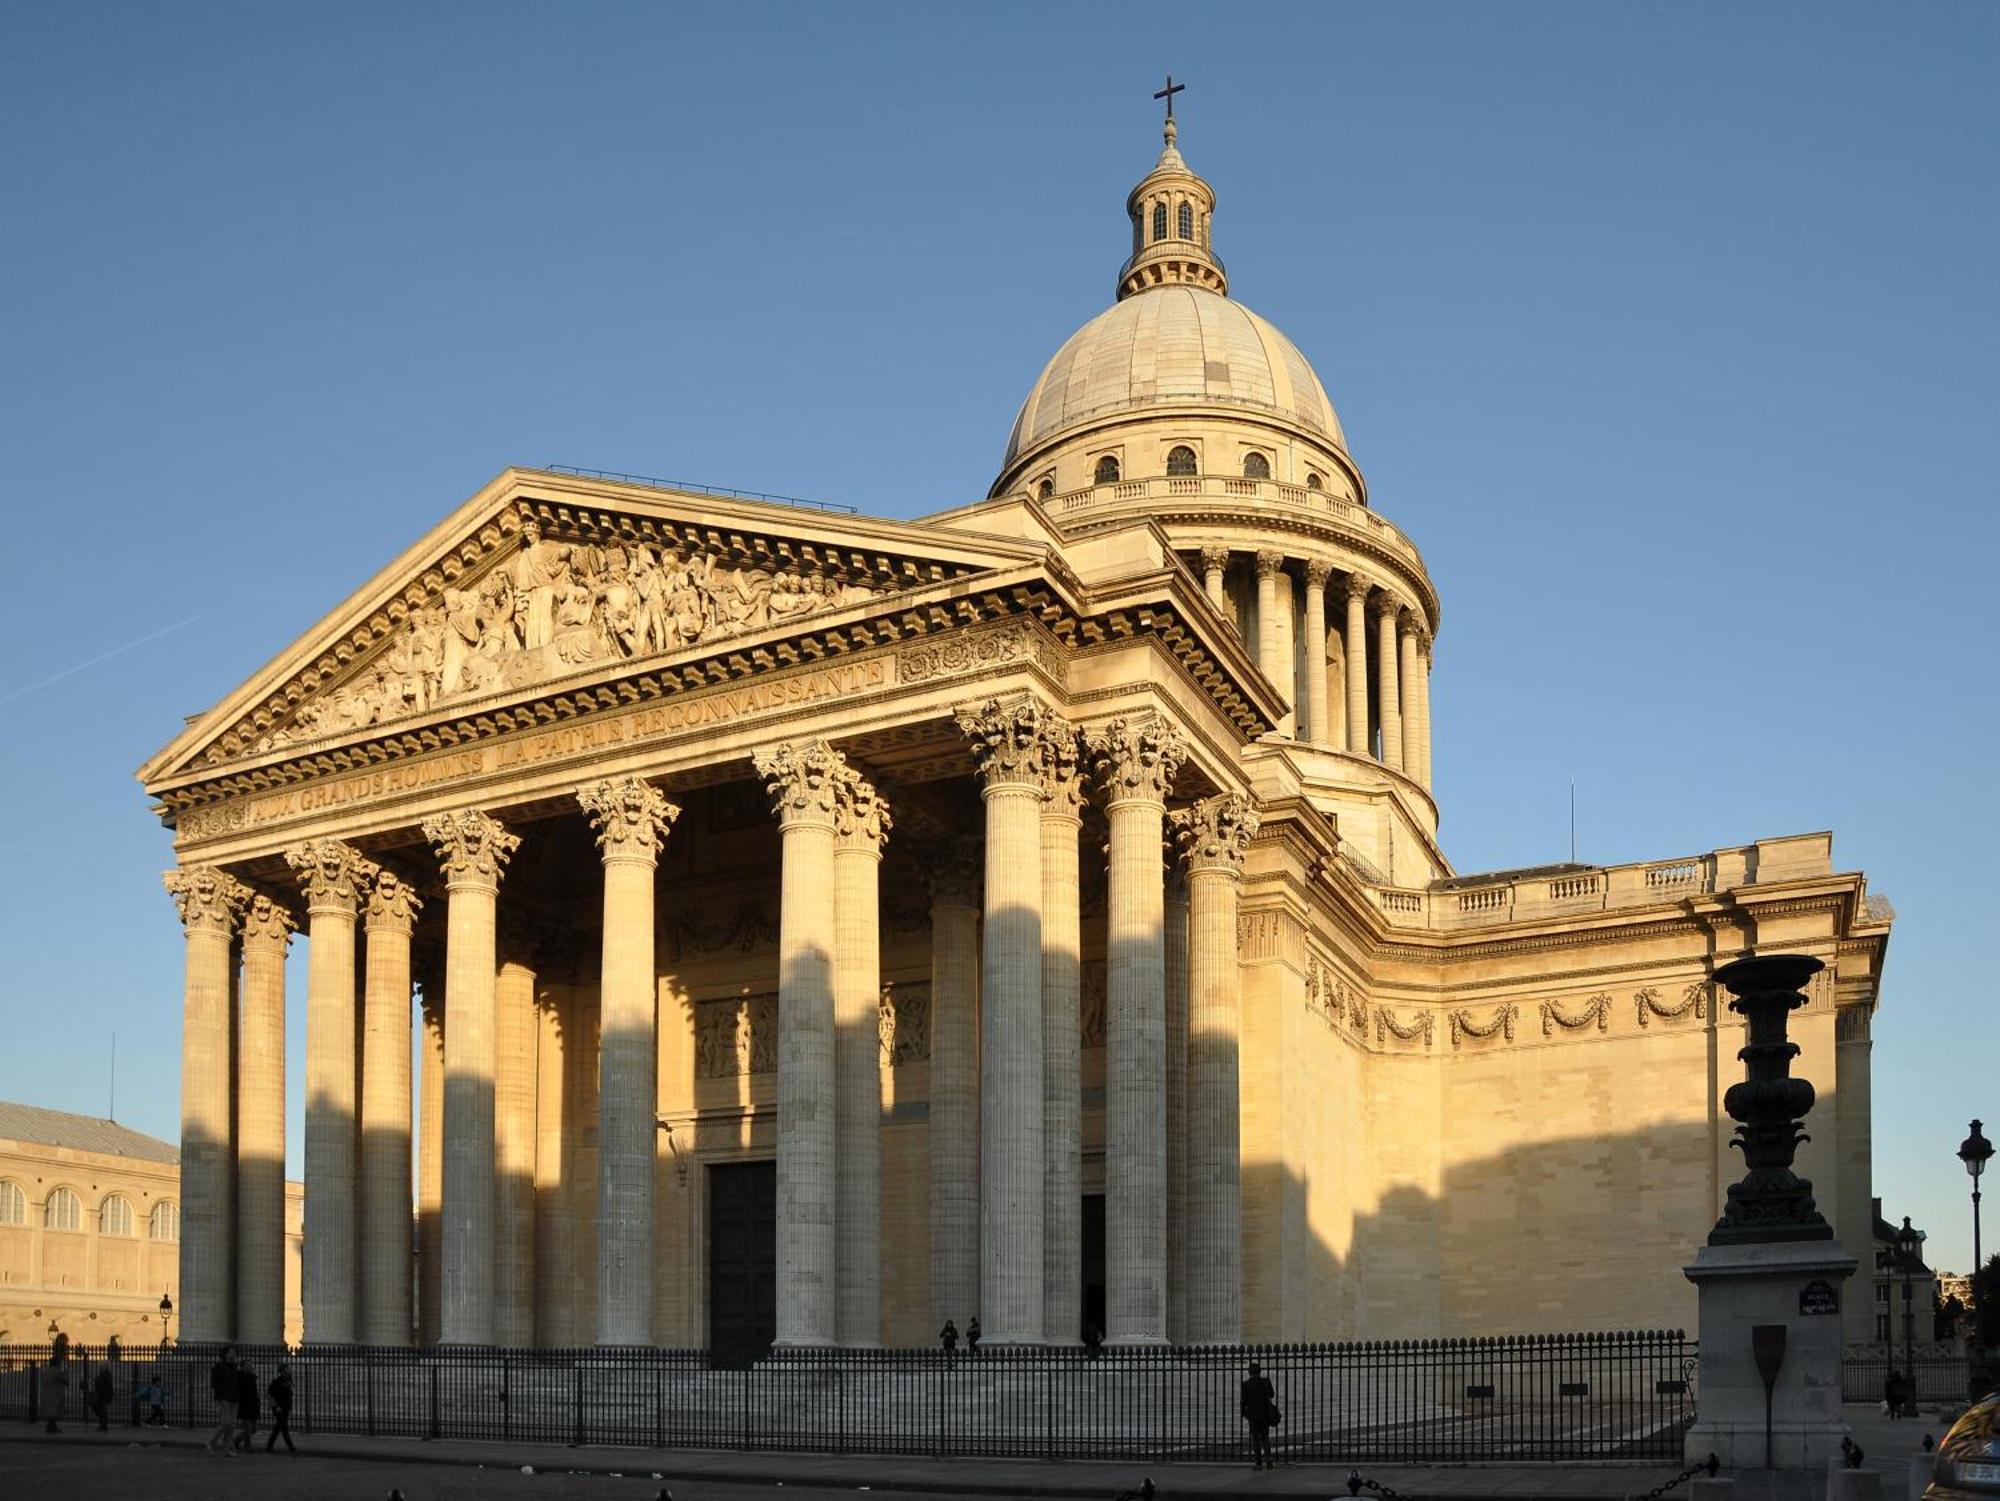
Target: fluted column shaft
1318	716
1136	760
803	780
1215	833
260	1127
1010	741
209	903
515	1036
430	1165
1356	647
385	1113
1388	699
1270	634
1062	1099
954	1125
1178	1260
1214	562
474	850
863	825
333	876
631	818
1407	672
1420	684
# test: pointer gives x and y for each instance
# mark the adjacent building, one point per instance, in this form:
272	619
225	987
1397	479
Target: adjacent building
826	925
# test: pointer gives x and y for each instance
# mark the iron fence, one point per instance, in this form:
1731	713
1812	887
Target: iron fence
1938	1378
1612	1397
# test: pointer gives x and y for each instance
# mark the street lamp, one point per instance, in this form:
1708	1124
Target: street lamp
166	1317
1973	1152
1909	1243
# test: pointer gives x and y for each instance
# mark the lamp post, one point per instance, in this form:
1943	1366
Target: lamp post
1909	1243
166	1317
1973	1152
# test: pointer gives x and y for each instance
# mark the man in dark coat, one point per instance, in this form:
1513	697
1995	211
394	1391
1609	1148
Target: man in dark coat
948	1336
1260	1411
100	1398
246	1407
222	1386
281	1410
55	1385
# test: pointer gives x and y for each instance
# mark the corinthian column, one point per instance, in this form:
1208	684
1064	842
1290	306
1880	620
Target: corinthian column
1214	834
954	869
1420	683
332	876
862	826
1177	1101
1356	648
631	818
385	1112
209	903
1136	762
1214	561
1062	1099
804	779
1009	740
1317	716
1270	635
260	1127
1406	644
474	850
1388	707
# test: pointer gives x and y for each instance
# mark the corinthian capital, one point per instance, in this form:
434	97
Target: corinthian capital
392	903
1387	606
1011	738
1137	758
1358	585
1214	833
207	899
473	847
1318	571
860	816
331	874
264	921
1062	772
631	817
1268	563
1215	556
803	778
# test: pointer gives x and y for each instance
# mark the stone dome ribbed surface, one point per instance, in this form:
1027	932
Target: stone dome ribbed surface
1168	347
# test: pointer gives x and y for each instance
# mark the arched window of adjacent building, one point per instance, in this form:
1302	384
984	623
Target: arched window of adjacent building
114	1216
1256	466
64	1211
1106	472
164	1223
1313	481
1187	221
1159	221
1180	459
1046	488
13	1205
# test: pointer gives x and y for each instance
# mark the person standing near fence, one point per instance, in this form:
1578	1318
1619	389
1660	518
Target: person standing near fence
247	1410
1260	1411
281	1410
100	1397
222	1386
948	1336
55	1386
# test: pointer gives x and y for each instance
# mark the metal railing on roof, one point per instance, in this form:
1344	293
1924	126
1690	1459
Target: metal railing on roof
653	483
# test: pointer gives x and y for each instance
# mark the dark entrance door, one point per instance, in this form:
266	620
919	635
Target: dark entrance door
742	1261
1093	1262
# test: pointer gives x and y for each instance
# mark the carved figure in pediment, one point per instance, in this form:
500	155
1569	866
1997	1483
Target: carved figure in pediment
623	622
792	596
540	569
742	598
579	636
650	610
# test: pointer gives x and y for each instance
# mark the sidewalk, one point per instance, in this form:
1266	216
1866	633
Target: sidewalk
1888	1446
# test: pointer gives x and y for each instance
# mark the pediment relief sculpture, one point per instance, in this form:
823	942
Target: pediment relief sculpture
550	609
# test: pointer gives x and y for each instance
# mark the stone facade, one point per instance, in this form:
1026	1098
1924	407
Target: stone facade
737	832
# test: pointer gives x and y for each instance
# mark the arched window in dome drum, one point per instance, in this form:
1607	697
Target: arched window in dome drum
1159	221
1046	488
164	1223
1187	221
1313	481
1106	472
114	1216
1180	459
1256	466
63	1211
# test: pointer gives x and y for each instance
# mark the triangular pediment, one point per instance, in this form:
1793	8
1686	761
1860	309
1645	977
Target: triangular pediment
547	579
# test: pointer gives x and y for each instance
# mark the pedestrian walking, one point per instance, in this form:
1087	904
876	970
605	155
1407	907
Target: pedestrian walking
972	1336
1260	1411
150	1403
55	1386
281	1410
100	1397
246	1407
948	1336
222	1386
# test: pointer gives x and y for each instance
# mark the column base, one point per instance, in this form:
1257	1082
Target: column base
804	1344
1137	1342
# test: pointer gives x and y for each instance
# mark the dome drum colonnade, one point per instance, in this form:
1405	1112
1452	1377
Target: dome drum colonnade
1010	1248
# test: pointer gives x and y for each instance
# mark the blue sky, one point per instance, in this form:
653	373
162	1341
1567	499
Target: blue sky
1667	332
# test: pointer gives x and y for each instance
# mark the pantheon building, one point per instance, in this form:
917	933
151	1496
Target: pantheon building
734	922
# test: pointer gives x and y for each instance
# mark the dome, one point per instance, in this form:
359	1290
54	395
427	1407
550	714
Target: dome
1173	346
